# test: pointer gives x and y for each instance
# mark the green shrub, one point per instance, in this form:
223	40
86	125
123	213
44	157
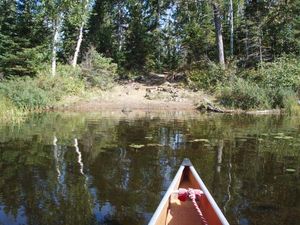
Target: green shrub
99	71
243	94
208	75
66	82
41	91
281	97
206	78
283	73
24	93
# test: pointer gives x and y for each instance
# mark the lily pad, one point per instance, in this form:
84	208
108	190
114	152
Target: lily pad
243	139
278	137
149	137
154	145
287	137
291	170
136	146
200	140
283	137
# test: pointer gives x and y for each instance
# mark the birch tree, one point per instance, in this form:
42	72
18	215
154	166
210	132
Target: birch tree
218	30
81	17
55	10
231	26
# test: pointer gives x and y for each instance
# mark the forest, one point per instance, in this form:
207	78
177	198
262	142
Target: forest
245	52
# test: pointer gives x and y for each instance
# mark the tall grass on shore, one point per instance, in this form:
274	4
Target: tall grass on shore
9	112
19	95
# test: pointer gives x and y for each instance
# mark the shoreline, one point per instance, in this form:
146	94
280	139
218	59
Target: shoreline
168	97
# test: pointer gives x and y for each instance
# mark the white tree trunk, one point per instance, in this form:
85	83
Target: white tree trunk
79	41
54	47
246	42
260	50
219	36
231	26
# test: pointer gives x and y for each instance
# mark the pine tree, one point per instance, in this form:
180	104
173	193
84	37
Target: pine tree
23	37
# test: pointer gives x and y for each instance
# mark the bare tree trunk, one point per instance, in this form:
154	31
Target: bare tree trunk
246	43
260	50
219	36
158	12
79	41
54	46
231	26
119	22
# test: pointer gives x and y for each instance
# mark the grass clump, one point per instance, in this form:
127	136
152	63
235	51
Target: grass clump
8	111
243	94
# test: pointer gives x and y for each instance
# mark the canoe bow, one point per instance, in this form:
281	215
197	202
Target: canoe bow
171	211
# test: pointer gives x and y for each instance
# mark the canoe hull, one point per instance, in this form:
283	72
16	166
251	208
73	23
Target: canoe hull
172	211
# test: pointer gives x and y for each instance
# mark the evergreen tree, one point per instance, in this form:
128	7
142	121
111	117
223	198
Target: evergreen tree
137	43
23	37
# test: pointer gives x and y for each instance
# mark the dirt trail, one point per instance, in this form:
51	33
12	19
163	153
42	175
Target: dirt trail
137	96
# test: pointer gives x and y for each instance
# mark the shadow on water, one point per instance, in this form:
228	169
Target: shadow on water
112	169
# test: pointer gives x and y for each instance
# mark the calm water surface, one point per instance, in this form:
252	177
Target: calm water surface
123	165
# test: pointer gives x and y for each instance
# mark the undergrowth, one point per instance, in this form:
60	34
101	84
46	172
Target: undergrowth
273	85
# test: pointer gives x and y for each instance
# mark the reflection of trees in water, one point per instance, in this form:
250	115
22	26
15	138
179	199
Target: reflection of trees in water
102	180
43	184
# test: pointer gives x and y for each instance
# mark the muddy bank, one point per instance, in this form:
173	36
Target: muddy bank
135	96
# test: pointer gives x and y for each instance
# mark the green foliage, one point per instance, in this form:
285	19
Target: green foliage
23	45
208	75
272	85
8	111
24	93
99	71
41	91
243	94
283	73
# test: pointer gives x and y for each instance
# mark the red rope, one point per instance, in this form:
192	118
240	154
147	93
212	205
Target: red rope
192	196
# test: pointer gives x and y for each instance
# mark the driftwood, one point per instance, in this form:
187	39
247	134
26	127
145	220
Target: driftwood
207	106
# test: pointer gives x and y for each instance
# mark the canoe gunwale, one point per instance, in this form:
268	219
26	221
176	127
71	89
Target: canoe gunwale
187	164
209	197
166	197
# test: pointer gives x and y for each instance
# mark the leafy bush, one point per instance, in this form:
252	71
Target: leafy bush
41	91
99	71
243	94
24	93
207	75
66	82
283	73
281	97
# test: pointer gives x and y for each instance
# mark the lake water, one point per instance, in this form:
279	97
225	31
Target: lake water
123	164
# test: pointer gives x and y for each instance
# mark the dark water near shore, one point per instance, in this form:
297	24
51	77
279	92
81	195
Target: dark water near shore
123	164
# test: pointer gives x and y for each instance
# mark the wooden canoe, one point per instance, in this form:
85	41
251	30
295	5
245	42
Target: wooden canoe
172	211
